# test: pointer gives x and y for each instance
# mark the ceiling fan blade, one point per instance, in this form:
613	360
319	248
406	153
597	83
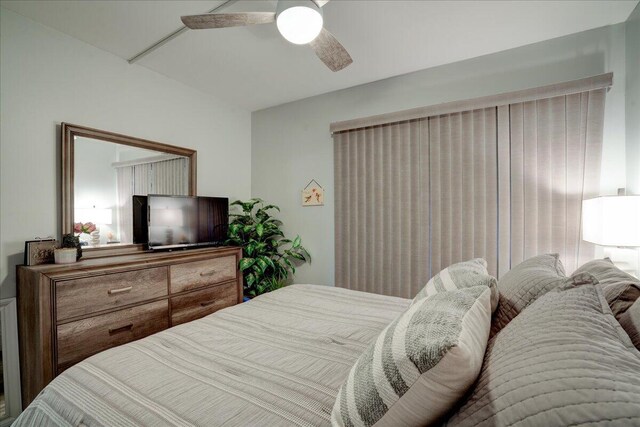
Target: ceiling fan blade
321	3
330	51
224	20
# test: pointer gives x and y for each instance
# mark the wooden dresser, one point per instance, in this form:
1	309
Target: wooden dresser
69	312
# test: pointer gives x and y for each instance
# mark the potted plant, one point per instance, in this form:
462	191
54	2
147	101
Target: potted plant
268	257
70	250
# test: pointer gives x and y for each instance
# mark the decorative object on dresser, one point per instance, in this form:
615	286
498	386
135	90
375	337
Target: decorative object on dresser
65	255
39	251
70	312
72	241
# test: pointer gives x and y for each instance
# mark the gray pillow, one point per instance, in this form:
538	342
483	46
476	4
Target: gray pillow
620	289
563	361
630	322
528	281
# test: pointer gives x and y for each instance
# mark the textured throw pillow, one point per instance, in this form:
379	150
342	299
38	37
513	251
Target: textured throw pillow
630	322
564	361
420	365
620	289
461	275
528	281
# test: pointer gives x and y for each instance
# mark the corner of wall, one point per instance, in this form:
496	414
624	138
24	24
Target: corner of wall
632	101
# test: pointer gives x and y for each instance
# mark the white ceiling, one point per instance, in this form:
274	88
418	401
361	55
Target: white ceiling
254	67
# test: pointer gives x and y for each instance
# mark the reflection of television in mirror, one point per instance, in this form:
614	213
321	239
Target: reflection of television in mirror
172	222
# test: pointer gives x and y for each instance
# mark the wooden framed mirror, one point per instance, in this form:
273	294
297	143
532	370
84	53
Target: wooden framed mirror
102	171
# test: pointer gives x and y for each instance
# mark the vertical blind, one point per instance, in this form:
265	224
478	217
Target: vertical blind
382	184
503	183
551	152
464	193
169	177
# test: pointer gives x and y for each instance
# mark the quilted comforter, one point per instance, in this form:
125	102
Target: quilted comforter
277	360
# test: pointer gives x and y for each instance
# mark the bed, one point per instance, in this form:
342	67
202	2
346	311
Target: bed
276	360
302	355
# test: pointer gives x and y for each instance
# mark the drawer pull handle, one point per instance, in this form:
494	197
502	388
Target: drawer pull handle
124	328
207	273
119	291
207	303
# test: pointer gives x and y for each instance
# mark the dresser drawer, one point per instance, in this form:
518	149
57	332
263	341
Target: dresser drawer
196	304
83	338
81	297
196	274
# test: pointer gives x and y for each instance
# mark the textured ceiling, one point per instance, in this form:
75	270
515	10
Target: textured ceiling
254	67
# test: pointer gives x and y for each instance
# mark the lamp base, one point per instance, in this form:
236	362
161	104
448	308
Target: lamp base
95	238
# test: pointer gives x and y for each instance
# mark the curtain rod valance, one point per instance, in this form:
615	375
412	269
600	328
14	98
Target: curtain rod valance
549	91
144	160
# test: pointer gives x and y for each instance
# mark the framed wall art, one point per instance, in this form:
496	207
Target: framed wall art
313	194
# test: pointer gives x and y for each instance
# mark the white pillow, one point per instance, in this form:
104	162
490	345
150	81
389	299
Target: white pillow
421	364
461	275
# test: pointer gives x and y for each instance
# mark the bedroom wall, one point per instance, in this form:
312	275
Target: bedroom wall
291	143
96	181
633	101
47	78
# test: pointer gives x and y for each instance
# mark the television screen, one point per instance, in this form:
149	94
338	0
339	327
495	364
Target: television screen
183	221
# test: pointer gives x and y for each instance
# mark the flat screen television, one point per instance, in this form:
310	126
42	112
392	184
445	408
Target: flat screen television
176	222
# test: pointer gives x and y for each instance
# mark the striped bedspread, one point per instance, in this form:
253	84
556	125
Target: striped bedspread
277	360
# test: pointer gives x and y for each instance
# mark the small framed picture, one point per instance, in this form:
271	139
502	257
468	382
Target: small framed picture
313	195
39	251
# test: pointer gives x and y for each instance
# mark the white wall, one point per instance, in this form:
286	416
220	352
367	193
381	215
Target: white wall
291	143
633	102
95	181
46	78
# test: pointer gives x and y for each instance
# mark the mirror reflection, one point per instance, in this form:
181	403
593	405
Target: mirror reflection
107	176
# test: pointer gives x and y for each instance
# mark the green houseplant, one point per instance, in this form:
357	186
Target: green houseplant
268	257
72	241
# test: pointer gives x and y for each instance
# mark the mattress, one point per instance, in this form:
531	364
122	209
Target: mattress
277	360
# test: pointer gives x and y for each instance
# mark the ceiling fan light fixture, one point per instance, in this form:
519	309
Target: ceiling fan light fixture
299	22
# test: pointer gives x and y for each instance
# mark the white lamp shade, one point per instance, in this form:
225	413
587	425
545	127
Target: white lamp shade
299	22
94	215
612	220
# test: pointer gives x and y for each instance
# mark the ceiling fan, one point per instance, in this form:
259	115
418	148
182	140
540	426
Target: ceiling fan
299	21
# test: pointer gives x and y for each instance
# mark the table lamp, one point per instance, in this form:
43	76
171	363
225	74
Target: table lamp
614	222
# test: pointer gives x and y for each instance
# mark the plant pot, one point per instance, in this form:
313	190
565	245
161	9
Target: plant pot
65	255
